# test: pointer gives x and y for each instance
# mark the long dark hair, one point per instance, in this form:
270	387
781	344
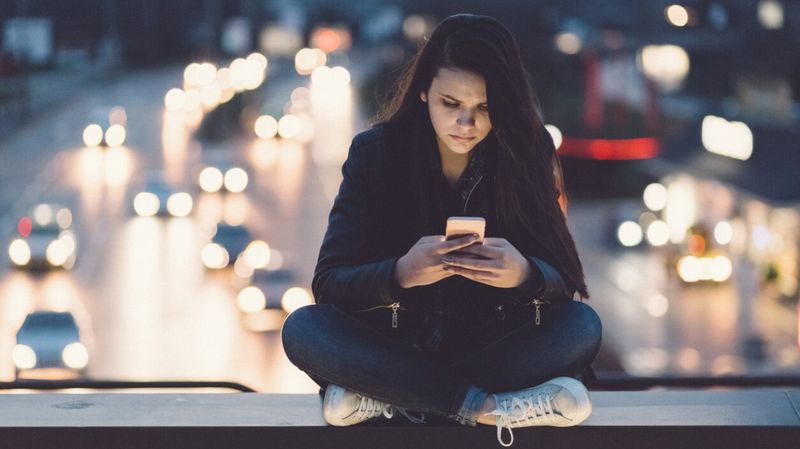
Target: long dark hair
529	182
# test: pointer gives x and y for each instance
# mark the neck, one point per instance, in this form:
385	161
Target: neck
453	164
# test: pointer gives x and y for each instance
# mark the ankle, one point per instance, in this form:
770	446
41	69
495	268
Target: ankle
489	405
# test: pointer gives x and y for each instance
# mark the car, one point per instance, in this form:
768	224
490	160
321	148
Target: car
230	245
45	239
107	127
159	198
700	260
265	290
49	343
221	173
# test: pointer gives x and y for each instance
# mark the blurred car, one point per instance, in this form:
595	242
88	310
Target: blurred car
265	290
699	261
231	245
272	295
106	127
45	239
49	343
159	198
221	173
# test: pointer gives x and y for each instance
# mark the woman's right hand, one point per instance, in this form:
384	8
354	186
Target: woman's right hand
422	264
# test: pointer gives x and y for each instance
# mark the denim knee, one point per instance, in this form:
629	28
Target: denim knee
295	330
588	325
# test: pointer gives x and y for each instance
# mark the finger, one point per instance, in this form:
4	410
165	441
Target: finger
451	245
470	262
489	252
431	239
475	275
496	242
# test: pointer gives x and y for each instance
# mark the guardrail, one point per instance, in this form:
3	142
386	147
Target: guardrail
761	418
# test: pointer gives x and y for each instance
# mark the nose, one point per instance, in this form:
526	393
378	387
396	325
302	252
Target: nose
466	117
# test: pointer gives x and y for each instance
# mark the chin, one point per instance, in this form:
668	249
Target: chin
462	148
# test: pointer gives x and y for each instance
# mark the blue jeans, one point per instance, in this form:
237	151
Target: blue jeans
333	346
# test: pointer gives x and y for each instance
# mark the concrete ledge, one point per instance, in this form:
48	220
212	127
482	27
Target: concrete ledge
764	418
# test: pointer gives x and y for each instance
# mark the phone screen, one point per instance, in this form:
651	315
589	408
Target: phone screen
461	226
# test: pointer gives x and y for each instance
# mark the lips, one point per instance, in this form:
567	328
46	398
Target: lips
462	138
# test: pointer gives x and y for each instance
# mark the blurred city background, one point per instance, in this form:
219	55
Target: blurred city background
167	168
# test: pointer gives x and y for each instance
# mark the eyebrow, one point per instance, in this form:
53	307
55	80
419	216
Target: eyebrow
450	97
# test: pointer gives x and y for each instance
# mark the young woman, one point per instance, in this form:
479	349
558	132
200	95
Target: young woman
476	330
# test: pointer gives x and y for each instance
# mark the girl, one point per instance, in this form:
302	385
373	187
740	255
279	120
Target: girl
475	330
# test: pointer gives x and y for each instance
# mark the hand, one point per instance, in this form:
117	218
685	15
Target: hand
499	264
422	264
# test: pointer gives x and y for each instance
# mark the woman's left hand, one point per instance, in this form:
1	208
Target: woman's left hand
499	264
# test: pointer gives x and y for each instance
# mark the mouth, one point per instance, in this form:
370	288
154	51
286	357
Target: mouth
462	138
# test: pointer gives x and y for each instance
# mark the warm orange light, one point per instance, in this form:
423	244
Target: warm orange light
696	244
326	40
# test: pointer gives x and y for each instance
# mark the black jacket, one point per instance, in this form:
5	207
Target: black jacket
390	197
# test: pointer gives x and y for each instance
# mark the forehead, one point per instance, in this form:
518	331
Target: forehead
460	84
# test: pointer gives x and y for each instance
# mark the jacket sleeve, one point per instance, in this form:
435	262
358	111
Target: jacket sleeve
344	274
545	283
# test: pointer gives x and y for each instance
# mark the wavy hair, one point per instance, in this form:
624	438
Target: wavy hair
529	191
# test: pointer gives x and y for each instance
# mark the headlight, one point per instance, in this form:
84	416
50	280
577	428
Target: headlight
257	254
295	298
57	253
146	204
251	299
211	179
75	355
179	204
23	357
19	252
629	233
92	135
68	239
215	257
115	135
236	180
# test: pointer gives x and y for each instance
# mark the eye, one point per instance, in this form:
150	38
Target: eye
484	107
449	104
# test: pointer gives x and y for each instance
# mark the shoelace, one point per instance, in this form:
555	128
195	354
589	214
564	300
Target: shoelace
525	411
413	419
370	408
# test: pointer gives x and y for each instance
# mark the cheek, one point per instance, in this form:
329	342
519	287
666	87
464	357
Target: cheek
485	125
439	117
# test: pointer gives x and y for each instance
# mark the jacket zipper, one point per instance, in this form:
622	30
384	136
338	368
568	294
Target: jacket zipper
395	306
538	303
466	202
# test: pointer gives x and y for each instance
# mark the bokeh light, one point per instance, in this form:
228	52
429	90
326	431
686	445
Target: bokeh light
295	298
251	299
211	179
235	180
629	233
266	127
92	135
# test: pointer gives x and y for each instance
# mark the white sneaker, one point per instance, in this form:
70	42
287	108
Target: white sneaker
560	402
342	407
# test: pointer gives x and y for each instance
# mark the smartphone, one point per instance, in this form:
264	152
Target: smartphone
459	226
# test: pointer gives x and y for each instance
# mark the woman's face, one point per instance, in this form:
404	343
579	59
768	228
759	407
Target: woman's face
459	110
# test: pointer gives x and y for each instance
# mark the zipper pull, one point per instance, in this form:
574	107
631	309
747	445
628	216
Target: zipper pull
538	312
395	306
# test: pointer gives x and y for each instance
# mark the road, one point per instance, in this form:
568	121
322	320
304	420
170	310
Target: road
150	311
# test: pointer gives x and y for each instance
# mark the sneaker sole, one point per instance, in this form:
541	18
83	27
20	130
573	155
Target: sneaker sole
578	390
331	395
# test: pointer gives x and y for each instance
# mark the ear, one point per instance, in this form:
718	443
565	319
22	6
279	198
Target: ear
423	96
